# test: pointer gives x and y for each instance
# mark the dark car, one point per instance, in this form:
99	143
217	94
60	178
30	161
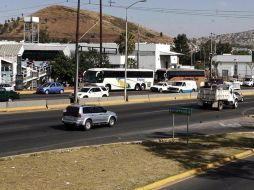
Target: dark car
9	96
50	88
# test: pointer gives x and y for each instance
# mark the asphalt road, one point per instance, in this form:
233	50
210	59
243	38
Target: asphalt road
35	131
66	95
24	97
234	176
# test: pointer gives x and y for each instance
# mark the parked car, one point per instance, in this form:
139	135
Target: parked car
87	116
52	87
91	92
6	95
239	97
183	86
7	87
160	87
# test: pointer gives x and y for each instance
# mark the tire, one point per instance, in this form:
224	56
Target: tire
193	90
104	95
235	105
220	105
143	87
85	96
61	91
160	90
10	99
46	92
108	87
112	121
88	125
181	91
137	87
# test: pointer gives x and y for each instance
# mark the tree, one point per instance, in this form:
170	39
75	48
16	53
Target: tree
91	59
182	46
222	48
62	68
130	42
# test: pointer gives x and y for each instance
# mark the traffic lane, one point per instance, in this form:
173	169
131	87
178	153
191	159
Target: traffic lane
66	95
236	175
28	132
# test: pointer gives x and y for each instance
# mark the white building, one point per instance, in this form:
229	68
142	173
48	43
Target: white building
237	66
150	56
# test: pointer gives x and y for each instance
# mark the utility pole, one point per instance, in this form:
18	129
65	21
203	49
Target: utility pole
100	32
138	50
211	56
76	56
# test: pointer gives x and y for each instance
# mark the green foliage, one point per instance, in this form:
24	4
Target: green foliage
132	63
222	48
130	42
91	59
63	68
241	52
181	46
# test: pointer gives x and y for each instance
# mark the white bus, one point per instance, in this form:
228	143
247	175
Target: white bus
113	79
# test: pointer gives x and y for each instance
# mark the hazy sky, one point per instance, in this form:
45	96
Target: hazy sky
195	18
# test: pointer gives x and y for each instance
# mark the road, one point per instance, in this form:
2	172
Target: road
66	95
35	131
233	176
24	97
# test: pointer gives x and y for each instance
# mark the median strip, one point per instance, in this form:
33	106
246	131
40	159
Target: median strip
122	165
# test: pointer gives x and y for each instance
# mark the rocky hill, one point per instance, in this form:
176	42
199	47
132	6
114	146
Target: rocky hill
240	39
60	24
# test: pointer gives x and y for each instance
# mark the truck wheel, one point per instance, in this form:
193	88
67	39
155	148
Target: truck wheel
143	87
10	99
160	90
235	105
220	105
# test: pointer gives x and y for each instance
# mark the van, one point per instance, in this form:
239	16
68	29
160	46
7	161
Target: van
183	86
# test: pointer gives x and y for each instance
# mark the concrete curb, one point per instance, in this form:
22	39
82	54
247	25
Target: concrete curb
196	171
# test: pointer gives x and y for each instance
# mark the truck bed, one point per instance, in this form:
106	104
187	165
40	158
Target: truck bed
210	94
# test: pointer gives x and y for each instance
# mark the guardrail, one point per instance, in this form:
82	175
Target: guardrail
105	101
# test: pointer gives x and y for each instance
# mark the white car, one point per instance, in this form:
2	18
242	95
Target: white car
160	87
92	92
7	87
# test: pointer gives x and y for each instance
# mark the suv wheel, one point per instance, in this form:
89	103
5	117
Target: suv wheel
46	92
108	87
112	121
104	95
88	125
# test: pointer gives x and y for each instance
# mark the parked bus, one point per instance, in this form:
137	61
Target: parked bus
113	79
181	74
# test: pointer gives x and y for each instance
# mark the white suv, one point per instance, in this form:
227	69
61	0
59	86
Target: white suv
92	92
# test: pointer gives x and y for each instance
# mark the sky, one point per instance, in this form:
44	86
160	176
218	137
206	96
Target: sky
195	18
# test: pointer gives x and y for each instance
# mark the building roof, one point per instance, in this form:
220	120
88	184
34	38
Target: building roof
233	58
10	50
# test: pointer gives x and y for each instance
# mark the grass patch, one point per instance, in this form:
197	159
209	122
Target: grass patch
116	166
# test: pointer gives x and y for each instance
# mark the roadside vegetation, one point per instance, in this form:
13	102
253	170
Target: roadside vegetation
117	166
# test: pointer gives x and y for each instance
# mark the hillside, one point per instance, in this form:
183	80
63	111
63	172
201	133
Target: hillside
60	24
240	39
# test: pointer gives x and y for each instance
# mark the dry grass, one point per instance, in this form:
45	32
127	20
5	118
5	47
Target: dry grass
125	166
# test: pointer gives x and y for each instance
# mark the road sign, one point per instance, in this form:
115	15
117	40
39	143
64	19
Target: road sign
179	110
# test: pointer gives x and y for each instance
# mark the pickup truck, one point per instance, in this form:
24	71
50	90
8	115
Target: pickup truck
160	87
8	95
216	96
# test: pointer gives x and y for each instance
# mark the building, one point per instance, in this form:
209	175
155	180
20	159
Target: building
147	56
233	66
34	58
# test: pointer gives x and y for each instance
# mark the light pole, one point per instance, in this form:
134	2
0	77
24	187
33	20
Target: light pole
126	47
76	56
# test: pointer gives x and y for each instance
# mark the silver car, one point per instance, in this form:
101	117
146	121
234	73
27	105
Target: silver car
86	116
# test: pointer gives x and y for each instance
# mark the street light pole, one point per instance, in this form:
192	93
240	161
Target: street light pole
126	47
76	56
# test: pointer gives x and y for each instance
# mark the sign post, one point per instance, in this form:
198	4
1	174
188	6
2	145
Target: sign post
180	111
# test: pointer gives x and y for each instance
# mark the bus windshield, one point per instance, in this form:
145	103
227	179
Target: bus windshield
93	77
